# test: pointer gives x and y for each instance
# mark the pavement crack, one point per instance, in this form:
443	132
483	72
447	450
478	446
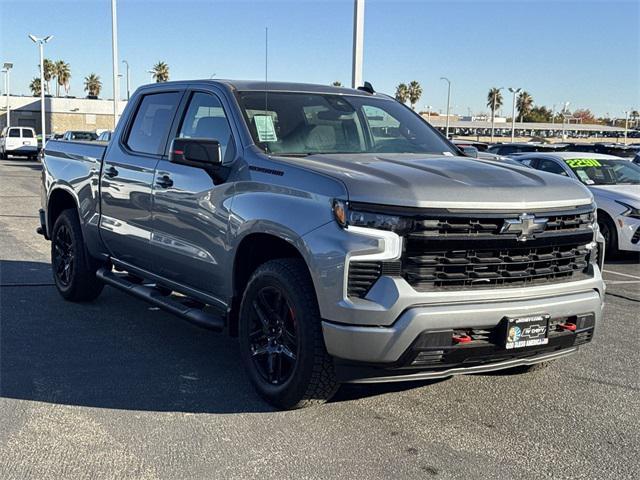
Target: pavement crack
624	297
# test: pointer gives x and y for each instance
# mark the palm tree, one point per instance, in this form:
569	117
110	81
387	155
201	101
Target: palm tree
414	91
92	85
524	104
62	71
49	73
634	116
34	86
402	93
161	72
337	83
494	100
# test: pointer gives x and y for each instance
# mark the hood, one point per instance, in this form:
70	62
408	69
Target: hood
434	181
624	193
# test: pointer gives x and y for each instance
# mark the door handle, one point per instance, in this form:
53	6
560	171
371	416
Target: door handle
111	171
164	181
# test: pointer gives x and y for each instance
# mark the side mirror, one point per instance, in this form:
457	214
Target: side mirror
196	152
469	151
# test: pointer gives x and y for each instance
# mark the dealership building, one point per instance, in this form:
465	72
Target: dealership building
62	114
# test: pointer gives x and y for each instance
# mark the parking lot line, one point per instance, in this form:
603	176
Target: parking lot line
619	282
622	274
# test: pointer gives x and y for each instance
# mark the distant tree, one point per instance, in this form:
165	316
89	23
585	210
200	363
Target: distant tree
337	83
49	72
539	114
92	85
402	93
584	115
494	100
161	72
414	92
34	86
62	71
524	104
635	115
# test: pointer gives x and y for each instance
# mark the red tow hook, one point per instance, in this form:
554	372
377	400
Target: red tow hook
461	338
567	326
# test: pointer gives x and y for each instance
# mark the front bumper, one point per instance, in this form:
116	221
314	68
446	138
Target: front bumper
388	350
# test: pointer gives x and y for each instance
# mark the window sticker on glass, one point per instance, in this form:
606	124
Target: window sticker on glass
265	128
584	177
583	162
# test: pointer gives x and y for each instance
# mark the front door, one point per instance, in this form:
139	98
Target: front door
191	209
127	179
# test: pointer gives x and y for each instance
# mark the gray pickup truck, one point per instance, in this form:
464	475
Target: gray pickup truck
333	231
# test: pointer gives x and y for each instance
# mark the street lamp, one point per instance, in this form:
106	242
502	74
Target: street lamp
626	125
448	103
40	41
493	113
515	91
6	68
429	107
152	72
114	58
128	83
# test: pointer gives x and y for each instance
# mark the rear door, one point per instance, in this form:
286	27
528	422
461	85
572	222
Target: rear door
127	177
190	208
14	139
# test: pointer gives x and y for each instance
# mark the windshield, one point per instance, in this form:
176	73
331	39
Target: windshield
309	123
593	171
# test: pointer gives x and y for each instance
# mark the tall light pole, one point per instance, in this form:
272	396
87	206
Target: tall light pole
6	68
429	107
152	72
448	103
358	43
40	42
515	91
114	52
128	83
493	113
565	110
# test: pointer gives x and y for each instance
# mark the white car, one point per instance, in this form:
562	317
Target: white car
615	184
18	141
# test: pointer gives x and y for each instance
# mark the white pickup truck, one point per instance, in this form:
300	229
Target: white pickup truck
18	141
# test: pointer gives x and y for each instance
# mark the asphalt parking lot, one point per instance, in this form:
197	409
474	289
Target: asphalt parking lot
118	389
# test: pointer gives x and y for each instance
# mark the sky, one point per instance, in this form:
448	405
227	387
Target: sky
583	52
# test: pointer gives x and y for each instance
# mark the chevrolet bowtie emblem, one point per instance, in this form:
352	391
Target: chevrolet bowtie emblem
525	226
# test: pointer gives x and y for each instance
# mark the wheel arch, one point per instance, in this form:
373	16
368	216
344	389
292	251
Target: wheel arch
60	199
252	251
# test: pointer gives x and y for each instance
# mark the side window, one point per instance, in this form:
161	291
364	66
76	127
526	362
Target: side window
152	122
205	118
381	124
527	161
14	132
551	166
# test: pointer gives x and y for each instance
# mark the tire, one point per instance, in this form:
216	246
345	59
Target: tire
610	234
285	382
74	271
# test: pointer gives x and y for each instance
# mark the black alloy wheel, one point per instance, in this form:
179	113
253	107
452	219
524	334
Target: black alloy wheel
273	335
63	263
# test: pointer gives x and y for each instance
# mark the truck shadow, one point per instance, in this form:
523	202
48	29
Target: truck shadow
118	352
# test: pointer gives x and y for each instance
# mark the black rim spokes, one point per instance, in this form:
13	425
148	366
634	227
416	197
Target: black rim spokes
273	336
63	255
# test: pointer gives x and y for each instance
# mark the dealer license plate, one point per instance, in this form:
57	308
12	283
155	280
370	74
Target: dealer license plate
527	331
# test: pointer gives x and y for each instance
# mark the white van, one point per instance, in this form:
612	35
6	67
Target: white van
18	141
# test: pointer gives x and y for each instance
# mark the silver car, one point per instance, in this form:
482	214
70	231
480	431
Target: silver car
615	184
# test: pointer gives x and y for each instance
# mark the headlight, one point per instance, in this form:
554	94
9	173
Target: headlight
381	221
630	211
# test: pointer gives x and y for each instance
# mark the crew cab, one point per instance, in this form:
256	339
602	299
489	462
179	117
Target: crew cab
18	142
332	230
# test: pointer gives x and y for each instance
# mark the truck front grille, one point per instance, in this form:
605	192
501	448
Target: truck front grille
426	268
457	250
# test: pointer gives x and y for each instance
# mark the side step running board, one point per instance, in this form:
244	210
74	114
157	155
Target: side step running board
150	294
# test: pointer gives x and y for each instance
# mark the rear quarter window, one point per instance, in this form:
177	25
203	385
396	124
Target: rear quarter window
26	133
152	121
